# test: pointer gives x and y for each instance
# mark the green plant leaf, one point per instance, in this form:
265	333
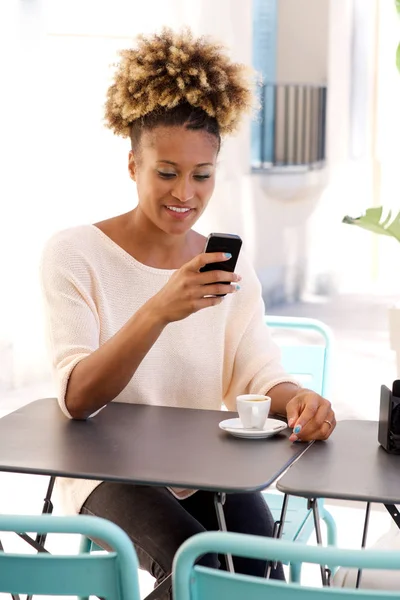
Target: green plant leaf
398	57
397	4
372	221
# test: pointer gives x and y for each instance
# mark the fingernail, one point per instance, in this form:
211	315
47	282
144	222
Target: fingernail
237	287
293	438
228	255
238	278
291	422
297	429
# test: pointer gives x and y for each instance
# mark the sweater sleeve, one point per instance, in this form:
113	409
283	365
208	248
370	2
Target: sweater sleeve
254	367
71	316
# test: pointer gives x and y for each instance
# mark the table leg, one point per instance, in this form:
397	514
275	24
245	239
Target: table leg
394	513
160	590
39	541
325	572
277	533
364	539
278	525
219	501
47	508
33	543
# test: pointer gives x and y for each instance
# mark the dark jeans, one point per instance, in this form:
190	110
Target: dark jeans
158	523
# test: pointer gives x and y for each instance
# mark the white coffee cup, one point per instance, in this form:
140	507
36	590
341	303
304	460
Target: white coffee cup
253	410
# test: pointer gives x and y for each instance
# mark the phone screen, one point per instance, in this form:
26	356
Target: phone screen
223	242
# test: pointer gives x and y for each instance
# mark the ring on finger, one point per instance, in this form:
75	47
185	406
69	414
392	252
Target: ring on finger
329	422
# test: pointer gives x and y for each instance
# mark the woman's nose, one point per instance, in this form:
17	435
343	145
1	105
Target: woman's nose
183	190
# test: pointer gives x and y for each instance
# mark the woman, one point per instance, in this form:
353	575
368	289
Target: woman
132	319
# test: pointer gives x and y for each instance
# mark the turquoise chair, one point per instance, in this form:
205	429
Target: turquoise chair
310	364
112	575
193	582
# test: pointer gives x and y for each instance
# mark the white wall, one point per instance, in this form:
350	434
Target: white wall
303	29
386	147
327	236
361	174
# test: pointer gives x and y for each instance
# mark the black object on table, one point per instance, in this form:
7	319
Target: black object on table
148	445
351	465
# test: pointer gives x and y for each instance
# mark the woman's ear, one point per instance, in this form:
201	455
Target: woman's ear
132	166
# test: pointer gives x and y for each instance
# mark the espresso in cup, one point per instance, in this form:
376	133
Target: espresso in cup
253	410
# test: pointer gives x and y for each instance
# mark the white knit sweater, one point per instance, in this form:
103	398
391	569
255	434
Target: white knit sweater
92	287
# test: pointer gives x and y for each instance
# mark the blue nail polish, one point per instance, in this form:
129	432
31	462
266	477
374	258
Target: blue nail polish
228	255
237	287
297	429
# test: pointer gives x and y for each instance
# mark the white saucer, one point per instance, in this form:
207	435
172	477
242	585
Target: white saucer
235	427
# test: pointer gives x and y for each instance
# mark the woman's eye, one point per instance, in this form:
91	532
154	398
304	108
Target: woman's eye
166	175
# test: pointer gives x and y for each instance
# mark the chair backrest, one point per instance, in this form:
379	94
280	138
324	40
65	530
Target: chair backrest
191	581
112	575
310	364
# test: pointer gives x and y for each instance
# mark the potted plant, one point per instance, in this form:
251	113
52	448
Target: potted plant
376	221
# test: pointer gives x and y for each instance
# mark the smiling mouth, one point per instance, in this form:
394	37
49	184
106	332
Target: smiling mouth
179	213
178	210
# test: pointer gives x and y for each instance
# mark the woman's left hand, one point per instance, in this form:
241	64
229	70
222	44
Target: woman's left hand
310	416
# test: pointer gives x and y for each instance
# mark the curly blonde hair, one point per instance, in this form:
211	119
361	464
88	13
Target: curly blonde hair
169	71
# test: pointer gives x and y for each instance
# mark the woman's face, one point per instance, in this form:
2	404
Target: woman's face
174	171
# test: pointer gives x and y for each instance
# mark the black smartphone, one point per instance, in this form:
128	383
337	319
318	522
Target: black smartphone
223	242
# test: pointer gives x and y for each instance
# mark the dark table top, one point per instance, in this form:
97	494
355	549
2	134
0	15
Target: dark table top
351	465
142	444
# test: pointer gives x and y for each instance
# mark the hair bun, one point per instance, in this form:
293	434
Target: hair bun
168	68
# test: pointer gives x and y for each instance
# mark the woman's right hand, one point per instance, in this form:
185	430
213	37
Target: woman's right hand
189	291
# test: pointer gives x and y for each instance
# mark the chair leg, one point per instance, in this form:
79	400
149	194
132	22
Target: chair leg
331	531
85	545
295	572
84	548
330	527
295	569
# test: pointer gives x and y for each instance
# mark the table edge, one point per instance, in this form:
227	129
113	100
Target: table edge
352	497
233	489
